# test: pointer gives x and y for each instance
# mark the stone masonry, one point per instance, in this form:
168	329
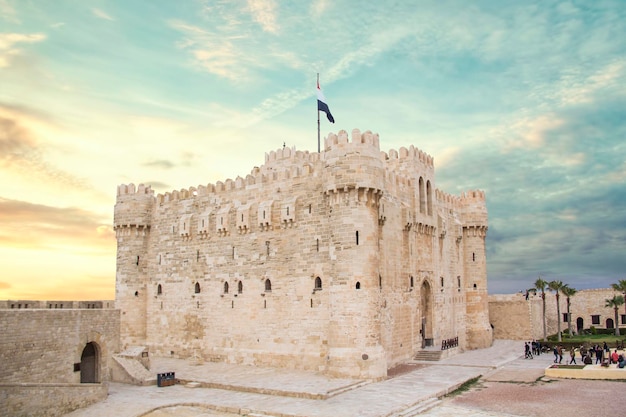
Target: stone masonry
345	262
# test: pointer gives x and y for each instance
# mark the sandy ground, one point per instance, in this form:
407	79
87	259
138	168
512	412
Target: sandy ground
546	398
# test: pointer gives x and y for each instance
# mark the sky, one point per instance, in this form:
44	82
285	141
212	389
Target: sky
525	100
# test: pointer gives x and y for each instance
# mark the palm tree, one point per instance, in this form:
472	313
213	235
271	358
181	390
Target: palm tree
621	287
569	292
615	303
557	286
540	285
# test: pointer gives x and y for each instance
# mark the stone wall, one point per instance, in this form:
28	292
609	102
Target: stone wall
343	262
516	317
42	351
53	400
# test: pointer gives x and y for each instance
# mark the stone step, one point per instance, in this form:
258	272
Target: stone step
419	408
428	355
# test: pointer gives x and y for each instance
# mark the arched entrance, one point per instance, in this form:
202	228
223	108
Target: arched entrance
580	325
610	324
426	307
89	361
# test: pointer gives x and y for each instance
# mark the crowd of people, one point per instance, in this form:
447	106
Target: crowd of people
601	354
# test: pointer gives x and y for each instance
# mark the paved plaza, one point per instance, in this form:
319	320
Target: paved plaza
216	389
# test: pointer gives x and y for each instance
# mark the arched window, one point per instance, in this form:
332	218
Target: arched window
226	288
318	283
358	285
240	287
268	285
159	289
197	288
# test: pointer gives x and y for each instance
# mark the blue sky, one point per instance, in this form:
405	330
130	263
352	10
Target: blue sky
523	99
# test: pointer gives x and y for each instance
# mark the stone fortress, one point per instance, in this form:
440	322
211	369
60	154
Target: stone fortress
346	262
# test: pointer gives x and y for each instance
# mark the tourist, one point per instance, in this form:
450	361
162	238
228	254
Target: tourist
555	350
587	360
614	357
560	353
621	362
527	353
599	355
572	355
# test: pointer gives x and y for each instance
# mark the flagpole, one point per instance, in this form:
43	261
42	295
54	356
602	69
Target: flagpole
318	117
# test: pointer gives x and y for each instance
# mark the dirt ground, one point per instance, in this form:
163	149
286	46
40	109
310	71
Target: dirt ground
546	397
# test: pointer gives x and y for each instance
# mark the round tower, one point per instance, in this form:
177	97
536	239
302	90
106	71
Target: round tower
474	220
131	222
353	184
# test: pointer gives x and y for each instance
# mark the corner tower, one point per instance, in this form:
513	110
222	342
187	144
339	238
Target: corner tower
353	184
131	222
474	213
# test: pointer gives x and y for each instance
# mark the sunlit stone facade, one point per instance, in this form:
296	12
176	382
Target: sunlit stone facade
346	262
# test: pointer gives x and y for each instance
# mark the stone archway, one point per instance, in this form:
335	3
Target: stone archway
89	364
426	307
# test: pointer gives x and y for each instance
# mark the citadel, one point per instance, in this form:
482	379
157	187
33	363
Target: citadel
345	262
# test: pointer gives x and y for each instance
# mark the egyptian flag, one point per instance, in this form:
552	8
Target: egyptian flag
321	104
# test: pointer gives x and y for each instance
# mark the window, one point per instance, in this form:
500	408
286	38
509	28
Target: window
358	285
411	282
318	283
159	289
595	319
357	238
623	318
197	288
441	282
565	317
240	287
226	288
268	285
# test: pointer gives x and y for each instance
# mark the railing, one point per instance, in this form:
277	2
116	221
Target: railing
449	343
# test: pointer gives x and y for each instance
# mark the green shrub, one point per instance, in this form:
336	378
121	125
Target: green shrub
593	330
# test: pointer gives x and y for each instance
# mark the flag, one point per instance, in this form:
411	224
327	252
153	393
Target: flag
321	104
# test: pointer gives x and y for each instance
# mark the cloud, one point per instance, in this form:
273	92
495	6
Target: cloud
22	151
162	164
264	13
36	226
4	285
101	14
8	13
8	42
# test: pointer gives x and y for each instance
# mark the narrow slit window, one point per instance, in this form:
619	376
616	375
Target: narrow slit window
357	238
226	288
197	288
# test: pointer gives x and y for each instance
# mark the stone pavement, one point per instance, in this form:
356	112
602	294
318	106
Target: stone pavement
248	390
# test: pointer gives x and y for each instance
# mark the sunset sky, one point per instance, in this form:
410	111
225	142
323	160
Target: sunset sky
525	100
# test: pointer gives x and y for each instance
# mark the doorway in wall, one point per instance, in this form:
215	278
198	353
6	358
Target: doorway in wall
89	361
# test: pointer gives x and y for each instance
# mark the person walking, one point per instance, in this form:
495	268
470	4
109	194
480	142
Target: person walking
555	350
572	356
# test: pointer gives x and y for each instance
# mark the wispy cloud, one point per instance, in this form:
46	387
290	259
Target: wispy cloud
264	13
9	42
101	14
28	225
22	152
8	12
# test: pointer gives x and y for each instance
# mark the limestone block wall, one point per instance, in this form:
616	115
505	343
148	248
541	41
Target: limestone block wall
515	317
40	350
42	346
342	262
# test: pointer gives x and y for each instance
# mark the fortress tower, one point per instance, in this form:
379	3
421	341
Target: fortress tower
474	215
353	185
347	262
131	222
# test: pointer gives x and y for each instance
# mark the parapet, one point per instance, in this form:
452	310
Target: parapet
134	206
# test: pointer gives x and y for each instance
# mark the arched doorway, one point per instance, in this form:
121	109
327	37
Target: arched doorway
580	325
89	364
610	324
426	306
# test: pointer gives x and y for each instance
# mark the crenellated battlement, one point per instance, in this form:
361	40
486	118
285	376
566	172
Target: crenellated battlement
409	154
293	264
